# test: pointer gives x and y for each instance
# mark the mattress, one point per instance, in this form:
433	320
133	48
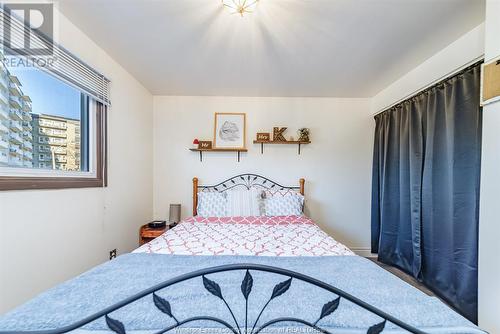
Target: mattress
259	236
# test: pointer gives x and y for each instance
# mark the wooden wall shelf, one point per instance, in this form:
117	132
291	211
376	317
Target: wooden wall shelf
201	150
289	142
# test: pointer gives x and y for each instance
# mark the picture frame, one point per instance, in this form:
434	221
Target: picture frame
490	82
230	131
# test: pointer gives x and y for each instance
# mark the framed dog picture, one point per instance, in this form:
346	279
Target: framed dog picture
230	130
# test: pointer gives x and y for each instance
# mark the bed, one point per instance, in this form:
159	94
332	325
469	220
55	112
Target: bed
241	275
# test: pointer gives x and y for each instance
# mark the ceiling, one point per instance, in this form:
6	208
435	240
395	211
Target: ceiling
335	48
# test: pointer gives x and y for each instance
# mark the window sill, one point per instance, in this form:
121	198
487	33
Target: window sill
27	183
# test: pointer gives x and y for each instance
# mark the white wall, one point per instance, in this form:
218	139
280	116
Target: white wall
489	225
50	236
467	48
336	166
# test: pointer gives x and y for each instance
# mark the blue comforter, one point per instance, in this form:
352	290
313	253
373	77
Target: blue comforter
131	273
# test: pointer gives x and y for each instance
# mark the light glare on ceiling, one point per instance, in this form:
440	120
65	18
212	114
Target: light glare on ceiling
240	7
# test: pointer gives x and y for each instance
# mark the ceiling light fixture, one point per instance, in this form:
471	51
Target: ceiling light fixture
240	7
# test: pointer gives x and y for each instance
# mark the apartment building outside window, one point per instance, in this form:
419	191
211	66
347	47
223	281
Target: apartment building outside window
25	132
60	138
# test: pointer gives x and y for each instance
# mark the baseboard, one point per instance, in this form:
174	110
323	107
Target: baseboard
364	252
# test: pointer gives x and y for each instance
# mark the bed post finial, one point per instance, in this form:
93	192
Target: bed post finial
302	182
195	195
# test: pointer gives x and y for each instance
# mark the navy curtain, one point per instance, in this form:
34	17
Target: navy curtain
425	191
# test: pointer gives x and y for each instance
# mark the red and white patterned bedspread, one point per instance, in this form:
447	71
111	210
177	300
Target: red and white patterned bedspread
262	236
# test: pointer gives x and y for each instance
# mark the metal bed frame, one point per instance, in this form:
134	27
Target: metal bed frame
247	181
233	325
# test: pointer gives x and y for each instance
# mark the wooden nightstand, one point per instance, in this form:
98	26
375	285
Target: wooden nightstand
146	234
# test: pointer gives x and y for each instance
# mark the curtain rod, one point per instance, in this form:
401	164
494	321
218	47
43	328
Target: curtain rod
419	90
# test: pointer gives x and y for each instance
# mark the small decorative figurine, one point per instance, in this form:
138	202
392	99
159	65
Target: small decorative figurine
196	142
304	135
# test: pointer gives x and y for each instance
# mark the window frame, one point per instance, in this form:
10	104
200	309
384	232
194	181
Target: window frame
95	178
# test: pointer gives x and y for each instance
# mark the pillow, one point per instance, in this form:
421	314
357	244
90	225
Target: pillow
290	204
212	204
283	192
244	203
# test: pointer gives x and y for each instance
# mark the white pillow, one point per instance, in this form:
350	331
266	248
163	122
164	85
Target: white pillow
284	205
244	203
212	204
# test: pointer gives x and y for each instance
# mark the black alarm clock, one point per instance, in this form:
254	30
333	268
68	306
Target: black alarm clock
158	224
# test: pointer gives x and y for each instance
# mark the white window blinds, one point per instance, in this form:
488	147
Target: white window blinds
36	49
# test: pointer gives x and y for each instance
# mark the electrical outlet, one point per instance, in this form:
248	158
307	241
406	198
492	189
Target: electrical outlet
112	254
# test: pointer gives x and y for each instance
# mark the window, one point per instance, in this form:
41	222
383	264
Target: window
52	114
48	128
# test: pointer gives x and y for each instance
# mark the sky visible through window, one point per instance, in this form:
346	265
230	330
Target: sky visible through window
49	95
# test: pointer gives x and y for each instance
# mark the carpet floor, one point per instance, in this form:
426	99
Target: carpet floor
405	277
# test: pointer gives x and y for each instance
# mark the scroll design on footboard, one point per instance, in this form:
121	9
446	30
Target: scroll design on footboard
244	326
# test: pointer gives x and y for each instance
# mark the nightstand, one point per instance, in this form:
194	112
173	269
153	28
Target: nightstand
146	234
